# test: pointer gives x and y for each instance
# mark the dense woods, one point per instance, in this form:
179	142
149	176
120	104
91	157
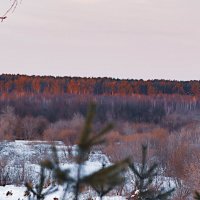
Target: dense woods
22	84
32	106
56	98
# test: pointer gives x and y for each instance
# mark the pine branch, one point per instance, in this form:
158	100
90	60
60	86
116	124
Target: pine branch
106	179
197	195
144	183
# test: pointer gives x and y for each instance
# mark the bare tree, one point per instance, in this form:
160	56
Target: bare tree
8	123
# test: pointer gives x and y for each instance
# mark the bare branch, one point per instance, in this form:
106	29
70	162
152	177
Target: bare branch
2	18
13	6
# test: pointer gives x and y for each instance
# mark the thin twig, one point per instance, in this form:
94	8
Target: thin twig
10	9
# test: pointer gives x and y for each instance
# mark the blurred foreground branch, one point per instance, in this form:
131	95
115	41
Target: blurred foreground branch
102	181
13	6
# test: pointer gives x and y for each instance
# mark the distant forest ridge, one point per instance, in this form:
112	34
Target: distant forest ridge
25	84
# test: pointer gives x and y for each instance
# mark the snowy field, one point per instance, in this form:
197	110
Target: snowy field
20	160
18	194
20	163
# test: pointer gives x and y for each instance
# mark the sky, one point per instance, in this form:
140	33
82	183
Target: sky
135	39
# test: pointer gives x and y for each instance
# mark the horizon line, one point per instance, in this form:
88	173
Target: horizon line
97	77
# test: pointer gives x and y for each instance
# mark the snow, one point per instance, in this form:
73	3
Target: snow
18	194
21	164
22	159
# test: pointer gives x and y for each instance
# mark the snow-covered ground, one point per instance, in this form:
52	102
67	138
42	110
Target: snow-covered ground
20	161
18	194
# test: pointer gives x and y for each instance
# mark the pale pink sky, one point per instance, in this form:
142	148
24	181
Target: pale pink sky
117	38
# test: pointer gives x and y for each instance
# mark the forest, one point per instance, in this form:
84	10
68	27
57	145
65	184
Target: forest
23	84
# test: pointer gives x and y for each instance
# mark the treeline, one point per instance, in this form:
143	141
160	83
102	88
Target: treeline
56	98
109	108
23	84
